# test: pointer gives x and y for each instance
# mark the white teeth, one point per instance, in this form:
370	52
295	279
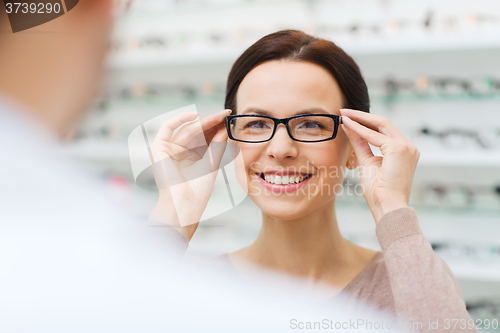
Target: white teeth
283	180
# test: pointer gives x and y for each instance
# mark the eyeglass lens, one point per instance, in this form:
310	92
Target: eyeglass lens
256	128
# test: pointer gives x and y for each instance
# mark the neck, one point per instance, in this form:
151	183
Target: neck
310	246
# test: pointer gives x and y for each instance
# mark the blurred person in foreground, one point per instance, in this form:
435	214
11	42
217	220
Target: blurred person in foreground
70	261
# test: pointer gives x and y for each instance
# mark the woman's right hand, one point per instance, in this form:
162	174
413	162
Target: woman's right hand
185	177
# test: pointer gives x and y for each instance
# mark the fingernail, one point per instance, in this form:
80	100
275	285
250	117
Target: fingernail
224	112
195	113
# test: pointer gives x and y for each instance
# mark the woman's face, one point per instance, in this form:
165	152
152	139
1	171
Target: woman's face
283	89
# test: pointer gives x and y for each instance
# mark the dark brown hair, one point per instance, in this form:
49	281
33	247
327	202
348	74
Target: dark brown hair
296	45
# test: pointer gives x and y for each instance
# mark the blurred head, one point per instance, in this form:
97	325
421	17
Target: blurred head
284	74
53	70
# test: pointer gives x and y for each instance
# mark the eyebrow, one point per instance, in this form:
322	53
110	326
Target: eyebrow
267	113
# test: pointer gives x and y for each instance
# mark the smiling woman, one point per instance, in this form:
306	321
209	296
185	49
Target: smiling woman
306	83
300	116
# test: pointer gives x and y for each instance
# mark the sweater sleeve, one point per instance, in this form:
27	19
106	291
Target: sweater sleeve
424	289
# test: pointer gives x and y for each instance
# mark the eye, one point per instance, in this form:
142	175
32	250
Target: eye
310	124
256	124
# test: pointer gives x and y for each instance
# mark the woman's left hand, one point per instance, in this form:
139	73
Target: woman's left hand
385	180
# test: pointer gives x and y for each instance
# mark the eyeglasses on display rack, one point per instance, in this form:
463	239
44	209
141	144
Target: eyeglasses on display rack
426	86
428	21
459	196
434	195
302	128
149	91
459	250
458	137
485	310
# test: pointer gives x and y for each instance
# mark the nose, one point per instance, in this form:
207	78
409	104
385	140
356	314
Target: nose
281	146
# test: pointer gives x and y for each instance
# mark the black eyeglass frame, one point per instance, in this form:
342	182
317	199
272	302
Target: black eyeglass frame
337	120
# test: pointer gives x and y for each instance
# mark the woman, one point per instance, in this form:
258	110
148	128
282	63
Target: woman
291	171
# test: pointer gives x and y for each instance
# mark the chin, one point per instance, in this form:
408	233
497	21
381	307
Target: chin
279	209
282	214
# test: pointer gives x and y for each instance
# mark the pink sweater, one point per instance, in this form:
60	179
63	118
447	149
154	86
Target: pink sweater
409	280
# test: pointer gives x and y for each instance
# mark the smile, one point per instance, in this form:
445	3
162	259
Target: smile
283	179
283	183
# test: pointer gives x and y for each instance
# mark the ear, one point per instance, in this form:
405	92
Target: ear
352	160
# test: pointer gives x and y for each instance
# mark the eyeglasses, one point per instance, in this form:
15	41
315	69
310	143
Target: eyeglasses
483	311
457	137
428	86
302	128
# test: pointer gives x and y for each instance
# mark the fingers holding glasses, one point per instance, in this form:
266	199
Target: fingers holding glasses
213	120
371	136
379	132
168	127
189	133
217	147
359	144
375	122
211	132
386	186
200	133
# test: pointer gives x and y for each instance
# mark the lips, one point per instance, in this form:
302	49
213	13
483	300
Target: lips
282	178
283	181
285	172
